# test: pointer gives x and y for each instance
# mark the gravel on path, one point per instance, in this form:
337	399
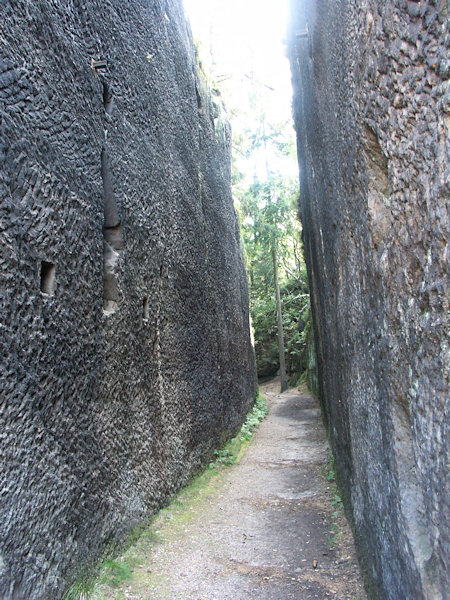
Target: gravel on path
263	529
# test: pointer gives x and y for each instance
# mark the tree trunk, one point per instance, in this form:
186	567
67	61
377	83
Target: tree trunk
279	318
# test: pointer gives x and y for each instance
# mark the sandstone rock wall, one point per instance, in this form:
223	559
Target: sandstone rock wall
371	107
126	355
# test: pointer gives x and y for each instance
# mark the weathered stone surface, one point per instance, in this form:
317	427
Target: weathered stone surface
126	354
371	111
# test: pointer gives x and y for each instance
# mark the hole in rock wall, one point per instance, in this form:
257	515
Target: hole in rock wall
107	98
111	212
112	246
199	98
112	239
48	278
145	311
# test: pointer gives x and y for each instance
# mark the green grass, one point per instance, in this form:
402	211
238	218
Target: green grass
114	573
82	589
187	504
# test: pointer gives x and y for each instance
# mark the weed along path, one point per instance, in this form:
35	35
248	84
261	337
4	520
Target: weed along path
270	527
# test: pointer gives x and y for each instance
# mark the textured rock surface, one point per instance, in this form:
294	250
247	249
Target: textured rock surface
371	110
124	313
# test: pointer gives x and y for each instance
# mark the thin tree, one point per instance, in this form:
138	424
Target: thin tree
281	351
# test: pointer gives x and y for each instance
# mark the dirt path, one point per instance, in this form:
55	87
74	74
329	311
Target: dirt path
258	527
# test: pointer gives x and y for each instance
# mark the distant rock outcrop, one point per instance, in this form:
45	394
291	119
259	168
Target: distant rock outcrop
126	354
371	110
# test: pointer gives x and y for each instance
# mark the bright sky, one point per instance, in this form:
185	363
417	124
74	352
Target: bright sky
246	38
242	43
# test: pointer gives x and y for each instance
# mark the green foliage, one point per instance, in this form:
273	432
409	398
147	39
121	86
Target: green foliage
328	468
270	228
337	501
223	457
232	451
253	419
268	213
295	307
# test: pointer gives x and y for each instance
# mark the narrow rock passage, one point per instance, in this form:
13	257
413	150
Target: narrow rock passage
259	527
